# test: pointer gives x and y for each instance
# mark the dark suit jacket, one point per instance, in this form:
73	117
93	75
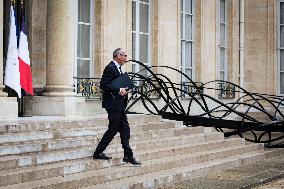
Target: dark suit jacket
111	97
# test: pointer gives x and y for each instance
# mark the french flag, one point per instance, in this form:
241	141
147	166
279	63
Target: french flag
26	80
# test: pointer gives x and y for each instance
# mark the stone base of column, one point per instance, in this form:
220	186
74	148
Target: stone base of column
8	108
54	106
59	91
2	94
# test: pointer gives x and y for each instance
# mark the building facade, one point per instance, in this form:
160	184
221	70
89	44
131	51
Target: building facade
240	41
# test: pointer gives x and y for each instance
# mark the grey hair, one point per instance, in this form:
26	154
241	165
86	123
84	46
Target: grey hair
117	52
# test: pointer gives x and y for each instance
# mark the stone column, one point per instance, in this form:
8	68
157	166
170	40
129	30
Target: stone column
1	52
60	48
58	99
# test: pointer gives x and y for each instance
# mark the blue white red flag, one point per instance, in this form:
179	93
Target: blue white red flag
12	74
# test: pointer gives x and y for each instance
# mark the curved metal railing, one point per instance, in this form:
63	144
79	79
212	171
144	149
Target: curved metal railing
256	117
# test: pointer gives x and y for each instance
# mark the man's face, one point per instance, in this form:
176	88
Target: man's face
122	58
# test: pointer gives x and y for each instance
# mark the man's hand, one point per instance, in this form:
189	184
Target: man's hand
123	91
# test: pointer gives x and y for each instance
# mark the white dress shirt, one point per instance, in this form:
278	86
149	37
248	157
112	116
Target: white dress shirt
117	65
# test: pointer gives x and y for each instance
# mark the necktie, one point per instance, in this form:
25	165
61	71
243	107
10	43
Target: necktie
120	70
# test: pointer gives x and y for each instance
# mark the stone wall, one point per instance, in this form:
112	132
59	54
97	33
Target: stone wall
260	46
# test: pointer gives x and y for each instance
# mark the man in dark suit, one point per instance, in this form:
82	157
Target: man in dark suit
115	102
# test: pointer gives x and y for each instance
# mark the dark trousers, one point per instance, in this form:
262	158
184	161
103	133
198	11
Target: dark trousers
117	123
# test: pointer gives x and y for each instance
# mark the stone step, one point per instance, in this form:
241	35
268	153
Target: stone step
122	172
14	176
75	132
82	141
32	125
43	158
22	137
16	161
169	176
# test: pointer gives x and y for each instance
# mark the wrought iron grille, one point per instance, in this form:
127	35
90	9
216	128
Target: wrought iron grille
88	87
190	88
141	86
226	91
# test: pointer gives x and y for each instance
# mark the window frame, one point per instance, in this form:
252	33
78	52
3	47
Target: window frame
279	48
91	42
183	39
136	54
225	47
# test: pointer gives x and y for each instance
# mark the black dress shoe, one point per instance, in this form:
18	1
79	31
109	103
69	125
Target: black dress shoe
101	156
131	160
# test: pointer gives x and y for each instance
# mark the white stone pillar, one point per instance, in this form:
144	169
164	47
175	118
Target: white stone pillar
1	52
58	98
60	45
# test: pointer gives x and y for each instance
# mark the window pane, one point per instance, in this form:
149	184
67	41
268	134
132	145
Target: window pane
222	35
144	16
181	25
282	13
222	75
188	6
182	53
133	45
142	71
188	27
282	60
281	36
188	53
222	11
84	11
146	1
188	72
83	41
222	59
133	16
181	5
133	68
143	48
83	68
282	82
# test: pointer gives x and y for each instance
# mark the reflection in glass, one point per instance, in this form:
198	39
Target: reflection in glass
143	48
188	6
84	11
222	75
282	36
282	60
133	16
282	83
188	27
188	72
83	68
222	11
133	45
144	17
281	12
222	35
83	41
188	54
222	59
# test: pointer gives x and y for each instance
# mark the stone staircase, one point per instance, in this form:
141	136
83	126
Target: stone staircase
57	154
